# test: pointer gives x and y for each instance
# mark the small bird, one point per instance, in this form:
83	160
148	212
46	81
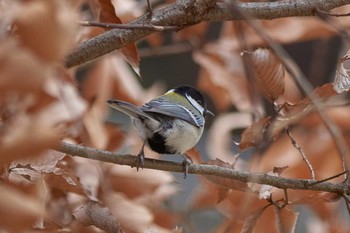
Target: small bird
169	124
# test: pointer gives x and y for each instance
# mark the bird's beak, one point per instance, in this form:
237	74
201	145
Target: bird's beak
208	113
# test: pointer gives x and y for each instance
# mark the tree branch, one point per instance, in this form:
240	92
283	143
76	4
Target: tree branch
203	169
184	13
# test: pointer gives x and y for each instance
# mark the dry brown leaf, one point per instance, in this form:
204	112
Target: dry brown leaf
253	135
93	213
131	55
50	167
46	28
107	15
268	72
225	182
252	219
286	220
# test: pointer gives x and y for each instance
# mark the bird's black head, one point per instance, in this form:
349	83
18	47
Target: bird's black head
194	97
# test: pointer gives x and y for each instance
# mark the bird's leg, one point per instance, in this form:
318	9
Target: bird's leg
141	156
186	162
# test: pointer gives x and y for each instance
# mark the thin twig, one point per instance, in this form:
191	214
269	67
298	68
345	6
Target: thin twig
203	169
329	178
295	144
128	26
332	14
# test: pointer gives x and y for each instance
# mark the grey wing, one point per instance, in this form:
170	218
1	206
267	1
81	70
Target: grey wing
128	109
173	110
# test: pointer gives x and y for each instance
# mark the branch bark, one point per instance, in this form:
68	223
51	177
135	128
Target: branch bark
202	169
183	14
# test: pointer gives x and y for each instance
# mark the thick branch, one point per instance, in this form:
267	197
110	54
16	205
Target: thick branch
178	14
260	178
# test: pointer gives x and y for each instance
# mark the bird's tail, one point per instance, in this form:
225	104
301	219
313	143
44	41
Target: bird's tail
128	109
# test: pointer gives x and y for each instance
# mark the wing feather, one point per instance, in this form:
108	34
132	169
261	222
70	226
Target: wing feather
167	108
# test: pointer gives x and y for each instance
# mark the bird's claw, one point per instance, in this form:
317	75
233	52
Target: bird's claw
141	161
186	162
141	156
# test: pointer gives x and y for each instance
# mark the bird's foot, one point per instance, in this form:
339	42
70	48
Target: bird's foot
141	160
185	163
141	156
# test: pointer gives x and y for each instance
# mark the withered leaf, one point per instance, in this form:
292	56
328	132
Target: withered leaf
286	220
268	72
107	15
250	222
253	135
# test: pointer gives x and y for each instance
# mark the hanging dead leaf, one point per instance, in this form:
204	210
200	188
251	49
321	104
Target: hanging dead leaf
268	72
93	213
132	57
107	15
286	220
253	135
250	222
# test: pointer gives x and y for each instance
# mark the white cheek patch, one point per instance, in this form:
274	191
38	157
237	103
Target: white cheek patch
170	91
195	104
